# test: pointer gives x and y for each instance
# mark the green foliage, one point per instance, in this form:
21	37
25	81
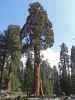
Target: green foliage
37	23
73	54
56	83
46	81
14	50
73	83
66	85
64	70
73	68
27	82
3	52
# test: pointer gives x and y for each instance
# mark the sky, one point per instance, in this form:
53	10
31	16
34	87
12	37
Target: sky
60	13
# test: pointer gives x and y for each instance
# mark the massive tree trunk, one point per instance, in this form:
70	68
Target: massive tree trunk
37	71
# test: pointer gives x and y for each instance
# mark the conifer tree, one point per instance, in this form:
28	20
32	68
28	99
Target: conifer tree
28	77
37	34
3	52
14	52
73	68
63	67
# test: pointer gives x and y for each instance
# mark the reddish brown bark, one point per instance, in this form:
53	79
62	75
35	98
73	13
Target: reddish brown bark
37	79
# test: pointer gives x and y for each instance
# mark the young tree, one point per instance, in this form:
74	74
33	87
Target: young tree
38	34
56	83
28	77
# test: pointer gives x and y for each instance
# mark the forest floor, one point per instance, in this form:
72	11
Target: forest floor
22	96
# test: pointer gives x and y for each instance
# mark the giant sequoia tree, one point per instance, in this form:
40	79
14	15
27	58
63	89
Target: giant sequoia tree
13	56
37	34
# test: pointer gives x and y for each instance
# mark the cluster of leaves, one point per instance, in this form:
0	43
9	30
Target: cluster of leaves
37	24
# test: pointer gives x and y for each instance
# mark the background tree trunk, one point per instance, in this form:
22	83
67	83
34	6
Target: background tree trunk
2	68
